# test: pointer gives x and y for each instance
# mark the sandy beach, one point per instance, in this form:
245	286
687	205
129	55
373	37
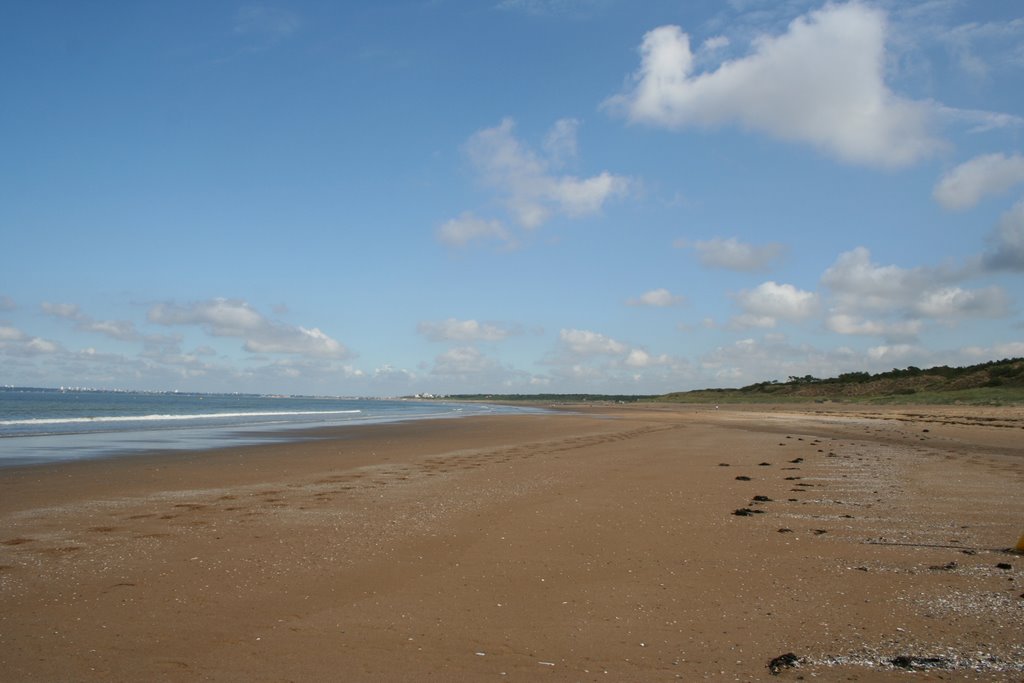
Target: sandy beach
615	543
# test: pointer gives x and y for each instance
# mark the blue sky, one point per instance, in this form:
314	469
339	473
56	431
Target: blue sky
385	198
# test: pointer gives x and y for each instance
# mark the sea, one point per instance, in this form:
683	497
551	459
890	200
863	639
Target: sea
39	426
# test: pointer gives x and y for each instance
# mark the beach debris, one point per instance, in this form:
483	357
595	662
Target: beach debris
1004	565
742	478
819	532
918	663
785	661
949	566
762	499
746	512
764	464
797	461
785	530
723	464
546	663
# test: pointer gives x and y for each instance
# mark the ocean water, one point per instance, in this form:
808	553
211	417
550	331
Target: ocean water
48	425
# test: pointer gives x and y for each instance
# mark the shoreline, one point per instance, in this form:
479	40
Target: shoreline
562	544
94	444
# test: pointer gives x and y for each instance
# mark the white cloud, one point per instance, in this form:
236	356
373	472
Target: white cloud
770	301
988	174
462	330
954	302
122	330
1007	252
981	47
15	342
658	298
735	255
821	82
638	358
587	343
895	354
907	296
8	333
234	318
560	143
843	323
531	192
861	285
67	311
116	329
458	232
469	369
1007	350
37	345
746	361
748	320
714	43
298	340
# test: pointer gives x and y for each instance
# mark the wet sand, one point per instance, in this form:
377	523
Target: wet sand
600	545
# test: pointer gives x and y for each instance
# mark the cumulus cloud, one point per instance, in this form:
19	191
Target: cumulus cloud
770	302
68	311
1007	252
892	302
463	360
821	82
1003	350
234	318
466	368
560	144
895	354
844	323
9	334
462	330
15	342
638	358
735	255
458	232
750	360
954	302
988	174
122	330
531	192
658	298
860	284
587	343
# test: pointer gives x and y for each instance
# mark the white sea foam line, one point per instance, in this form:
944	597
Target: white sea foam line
140	418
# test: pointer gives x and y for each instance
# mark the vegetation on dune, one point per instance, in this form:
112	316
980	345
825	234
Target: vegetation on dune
999	382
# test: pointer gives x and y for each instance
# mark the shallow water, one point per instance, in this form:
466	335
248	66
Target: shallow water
49	425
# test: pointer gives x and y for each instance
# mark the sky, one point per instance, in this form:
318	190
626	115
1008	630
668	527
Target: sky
382	198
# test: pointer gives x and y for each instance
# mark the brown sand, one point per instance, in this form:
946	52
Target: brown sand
567	547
